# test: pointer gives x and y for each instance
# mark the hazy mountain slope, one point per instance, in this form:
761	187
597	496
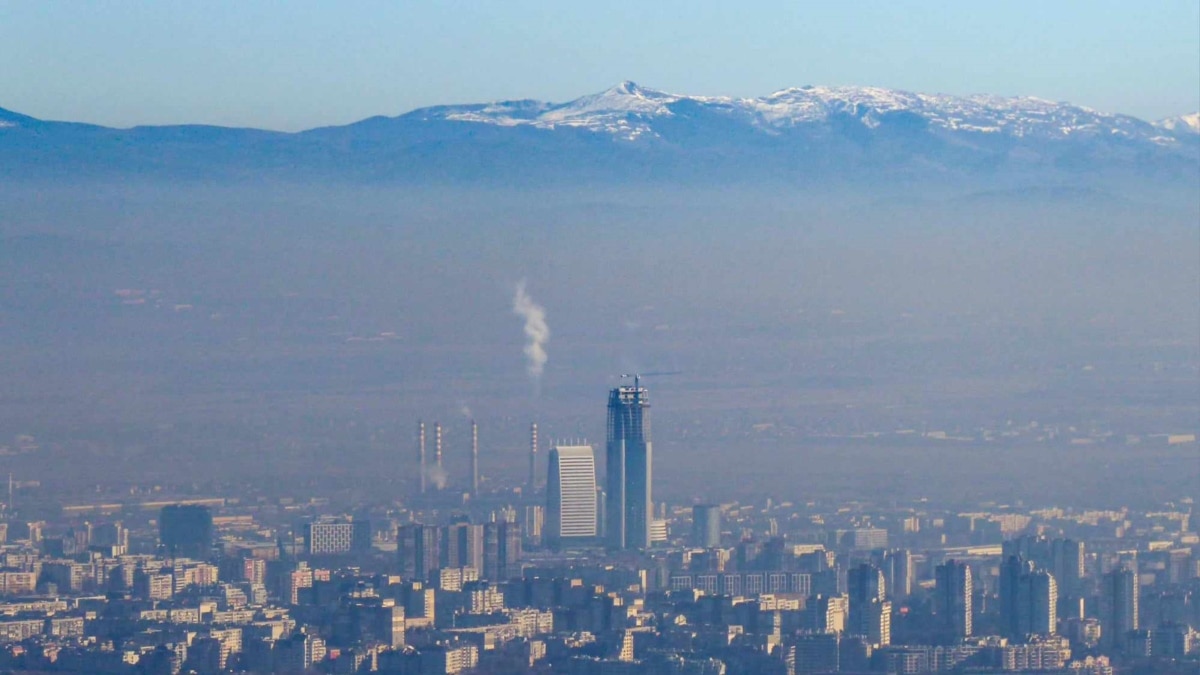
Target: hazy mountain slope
633	134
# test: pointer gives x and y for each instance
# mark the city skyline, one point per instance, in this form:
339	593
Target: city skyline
849	586
308	312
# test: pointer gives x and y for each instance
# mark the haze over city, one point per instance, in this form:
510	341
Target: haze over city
332	338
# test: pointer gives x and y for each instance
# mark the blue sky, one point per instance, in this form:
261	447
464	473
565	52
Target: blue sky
300	64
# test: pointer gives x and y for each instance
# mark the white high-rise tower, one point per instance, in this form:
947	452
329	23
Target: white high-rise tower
571	495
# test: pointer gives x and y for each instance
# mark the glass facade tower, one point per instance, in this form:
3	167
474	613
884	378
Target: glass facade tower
628	460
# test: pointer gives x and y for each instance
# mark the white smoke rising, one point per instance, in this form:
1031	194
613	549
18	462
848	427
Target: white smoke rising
536	330
437	475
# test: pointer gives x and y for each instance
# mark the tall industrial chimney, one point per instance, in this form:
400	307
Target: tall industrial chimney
421	453
533	449
437	447
474	459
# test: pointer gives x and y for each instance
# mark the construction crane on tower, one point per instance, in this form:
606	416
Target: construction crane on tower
637	377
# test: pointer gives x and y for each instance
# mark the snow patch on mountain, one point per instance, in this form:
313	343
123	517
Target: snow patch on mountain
1020	116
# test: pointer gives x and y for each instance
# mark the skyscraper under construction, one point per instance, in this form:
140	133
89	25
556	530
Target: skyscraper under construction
628	465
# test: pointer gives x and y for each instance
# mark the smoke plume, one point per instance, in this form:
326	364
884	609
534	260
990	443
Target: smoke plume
537	333
437	476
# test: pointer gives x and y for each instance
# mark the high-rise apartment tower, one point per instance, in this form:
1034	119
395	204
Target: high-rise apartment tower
571	495
1119	598
706	525
953	600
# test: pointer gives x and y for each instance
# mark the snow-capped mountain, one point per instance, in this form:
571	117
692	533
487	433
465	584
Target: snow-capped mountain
629	111
632	133
1183	124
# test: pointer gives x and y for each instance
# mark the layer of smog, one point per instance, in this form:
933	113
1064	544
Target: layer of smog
1035	345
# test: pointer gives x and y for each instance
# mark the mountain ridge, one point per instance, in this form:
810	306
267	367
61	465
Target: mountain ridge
654	101
628	133
795	105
